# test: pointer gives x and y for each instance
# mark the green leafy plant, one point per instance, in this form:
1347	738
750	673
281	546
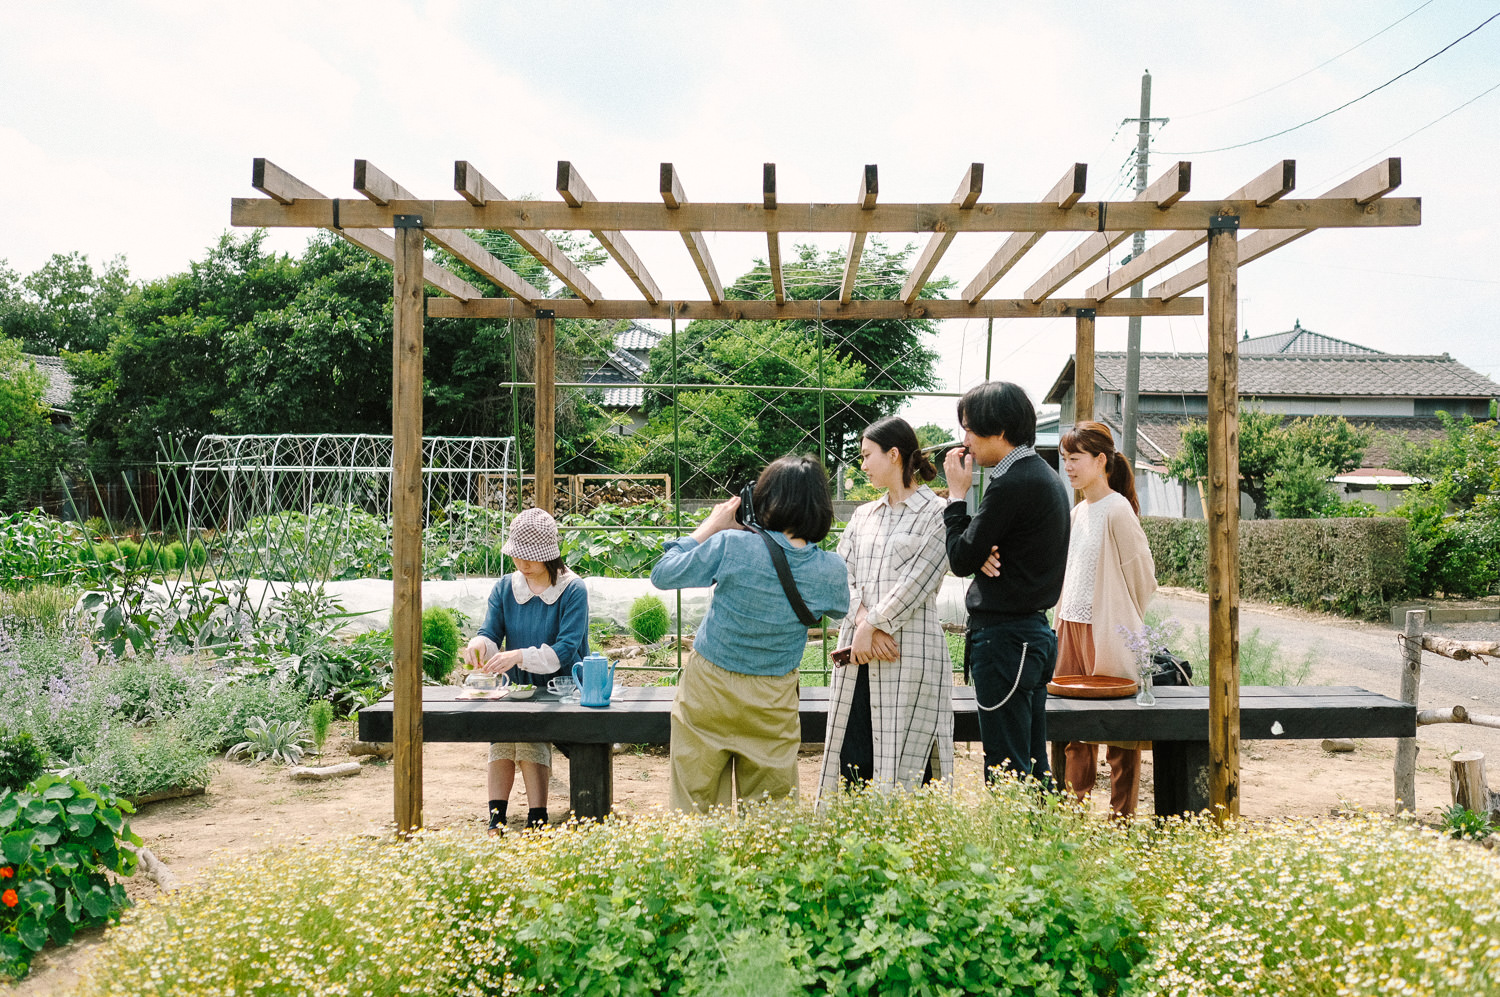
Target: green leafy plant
151	689
46	608
21	759
440	639
279	740
319	718
216	720
648	619
137	764
1461	822
61	841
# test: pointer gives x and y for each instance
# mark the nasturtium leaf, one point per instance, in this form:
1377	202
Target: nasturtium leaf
112	820
83	805
38	891
70	905
58	791
10	809
37	812
17	846
96	902
47	836
82	824
32	933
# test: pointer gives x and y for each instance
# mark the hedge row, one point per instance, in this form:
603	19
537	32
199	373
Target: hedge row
1353	566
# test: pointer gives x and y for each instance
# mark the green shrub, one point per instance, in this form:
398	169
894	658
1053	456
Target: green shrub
649	620
151	689
319	719
46	609
61	842
130	552
1262	661
21	759
440	632
1354	566
197	554
136	764
173	556
215	721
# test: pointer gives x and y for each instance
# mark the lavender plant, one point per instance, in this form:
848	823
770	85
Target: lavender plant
1149	639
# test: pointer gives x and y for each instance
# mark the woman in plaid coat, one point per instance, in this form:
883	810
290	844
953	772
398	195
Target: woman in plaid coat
890	718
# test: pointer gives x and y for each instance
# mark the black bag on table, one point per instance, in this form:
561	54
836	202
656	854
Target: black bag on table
1170	669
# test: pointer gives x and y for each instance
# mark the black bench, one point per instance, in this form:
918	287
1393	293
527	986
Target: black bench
1177	725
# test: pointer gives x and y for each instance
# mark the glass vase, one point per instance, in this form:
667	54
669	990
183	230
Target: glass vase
1146	697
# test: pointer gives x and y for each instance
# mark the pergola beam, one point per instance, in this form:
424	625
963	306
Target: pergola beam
575	193
1168	189
862	309
966	196
1289	213
382	190
1269	187
1065	193
674	198
475	189
1365	191
773	239
869	189
283	188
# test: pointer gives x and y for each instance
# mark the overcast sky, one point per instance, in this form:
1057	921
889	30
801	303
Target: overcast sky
125	128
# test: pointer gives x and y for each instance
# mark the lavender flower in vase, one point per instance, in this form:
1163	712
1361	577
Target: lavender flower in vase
1144	643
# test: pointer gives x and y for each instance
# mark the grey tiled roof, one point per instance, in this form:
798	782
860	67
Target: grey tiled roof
1377	375
637	337
1298	340
58	395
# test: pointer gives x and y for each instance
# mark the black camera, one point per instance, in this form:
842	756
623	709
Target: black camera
745	514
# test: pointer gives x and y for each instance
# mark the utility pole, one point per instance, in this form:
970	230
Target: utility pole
1137	247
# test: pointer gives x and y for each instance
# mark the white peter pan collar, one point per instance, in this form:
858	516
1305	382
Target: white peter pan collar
521	590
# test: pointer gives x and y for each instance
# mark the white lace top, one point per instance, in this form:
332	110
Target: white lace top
1084	543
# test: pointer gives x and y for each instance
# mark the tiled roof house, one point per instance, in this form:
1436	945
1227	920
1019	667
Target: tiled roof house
621	373
1296	373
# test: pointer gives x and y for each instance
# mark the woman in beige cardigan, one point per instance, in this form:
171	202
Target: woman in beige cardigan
1110	578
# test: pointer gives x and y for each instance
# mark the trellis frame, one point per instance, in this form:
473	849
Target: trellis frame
1262	205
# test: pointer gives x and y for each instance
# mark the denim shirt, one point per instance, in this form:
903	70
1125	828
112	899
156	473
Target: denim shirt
750	626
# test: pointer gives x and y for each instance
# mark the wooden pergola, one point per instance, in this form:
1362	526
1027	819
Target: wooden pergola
1261	208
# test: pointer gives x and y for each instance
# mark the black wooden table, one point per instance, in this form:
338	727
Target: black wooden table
1177	726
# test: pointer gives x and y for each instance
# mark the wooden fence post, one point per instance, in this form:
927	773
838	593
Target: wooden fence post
1083	365
1223	515
406	514
1411	682
546	410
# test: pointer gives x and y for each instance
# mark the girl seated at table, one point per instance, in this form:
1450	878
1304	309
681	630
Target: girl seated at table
540	613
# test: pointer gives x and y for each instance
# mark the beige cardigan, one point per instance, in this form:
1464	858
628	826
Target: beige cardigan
1124	582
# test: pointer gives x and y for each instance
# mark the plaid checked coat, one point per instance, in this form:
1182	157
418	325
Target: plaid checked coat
897	557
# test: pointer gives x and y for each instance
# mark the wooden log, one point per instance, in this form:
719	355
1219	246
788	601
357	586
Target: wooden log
1466	777
380	749
156	869
311	773
1455	715
546	410
1223	514
1484	720
1460	650
406	539
1411	682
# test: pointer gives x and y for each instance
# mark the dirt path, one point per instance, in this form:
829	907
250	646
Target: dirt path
249	807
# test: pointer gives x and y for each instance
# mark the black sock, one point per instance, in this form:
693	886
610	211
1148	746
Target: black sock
536	817
497	812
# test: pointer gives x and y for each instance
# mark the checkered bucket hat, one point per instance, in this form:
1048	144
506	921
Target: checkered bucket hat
533	537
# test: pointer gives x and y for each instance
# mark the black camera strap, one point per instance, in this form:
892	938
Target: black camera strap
788	585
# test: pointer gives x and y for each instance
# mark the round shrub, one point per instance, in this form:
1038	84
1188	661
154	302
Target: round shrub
439	632
104	552
648	619
130	551
197	554
21	759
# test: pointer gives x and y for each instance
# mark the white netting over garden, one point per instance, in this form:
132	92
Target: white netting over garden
318	507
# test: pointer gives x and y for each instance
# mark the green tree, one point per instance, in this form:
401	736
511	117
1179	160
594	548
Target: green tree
727	436
31	449
1269	444
893	353
64	304
1464	461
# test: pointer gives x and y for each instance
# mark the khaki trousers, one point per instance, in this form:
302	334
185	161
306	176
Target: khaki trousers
733	735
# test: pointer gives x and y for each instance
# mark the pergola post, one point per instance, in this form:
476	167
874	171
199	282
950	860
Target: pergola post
406	514
1083	366
546	409
1223	515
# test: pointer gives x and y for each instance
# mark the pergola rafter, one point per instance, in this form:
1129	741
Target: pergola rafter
1261	205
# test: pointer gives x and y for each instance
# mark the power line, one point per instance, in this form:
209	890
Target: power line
1294	79
1284	131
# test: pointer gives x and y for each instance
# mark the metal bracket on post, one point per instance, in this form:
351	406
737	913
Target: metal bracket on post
406	221
1224	223
542	313
1086	312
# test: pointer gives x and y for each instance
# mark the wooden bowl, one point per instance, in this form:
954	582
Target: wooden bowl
1092	687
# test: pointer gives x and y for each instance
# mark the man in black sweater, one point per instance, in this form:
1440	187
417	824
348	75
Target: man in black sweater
1016	546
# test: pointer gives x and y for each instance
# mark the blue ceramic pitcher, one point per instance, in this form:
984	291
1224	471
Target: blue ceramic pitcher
595	676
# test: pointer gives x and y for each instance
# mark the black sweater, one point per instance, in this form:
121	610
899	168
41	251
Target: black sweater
1024	512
